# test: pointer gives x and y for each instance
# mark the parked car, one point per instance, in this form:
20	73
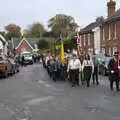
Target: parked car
28	57
5	66
15	65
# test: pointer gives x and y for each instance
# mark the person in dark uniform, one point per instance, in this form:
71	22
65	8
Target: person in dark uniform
114	71
23	59
81	58
55	70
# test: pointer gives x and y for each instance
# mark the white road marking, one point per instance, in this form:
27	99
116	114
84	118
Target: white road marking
41	82
37	101
48	85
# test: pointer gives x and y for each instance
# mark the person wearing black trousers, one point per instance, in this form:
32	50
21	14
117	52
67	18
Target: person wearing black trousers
88	69
114	71
74	67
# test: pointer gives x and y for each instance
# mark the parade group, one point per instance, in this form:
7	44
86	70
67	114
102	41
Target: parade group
79	70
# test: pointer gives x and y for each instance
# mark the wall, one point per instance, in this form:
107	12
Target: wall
96	40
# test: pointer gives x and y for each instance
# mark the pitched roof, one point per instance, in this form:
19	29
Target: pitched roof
89	27
23	39
31	41
114	17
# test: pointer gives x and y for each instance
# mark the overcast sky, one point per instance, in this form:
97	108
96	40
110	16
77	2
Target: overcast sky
24	12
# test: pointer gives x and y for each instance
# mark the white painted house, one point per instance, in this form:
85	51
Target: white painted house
97	39
91	37
3	45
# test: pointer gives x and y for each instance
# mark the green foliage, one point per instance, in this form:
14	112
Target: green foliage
69	43
62	24
12	31
34	30
43	44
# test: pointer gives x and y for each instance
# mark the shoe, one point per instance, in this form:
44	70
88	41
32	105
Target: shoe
98	83
73	85
88	86
118	90
111	89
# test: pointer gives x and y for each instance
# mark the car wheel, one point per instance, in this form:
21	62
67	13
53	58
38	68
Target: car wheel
12	72
5	75
18	70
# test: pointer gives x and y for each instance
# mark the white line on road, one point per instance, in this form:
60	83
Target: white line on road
37	101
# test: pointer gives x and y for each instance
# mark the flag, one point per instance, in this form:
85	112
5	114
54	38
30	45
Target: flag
78	40
62	52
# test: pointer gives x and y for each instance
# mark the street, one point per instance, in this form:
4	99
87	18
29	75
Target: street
32	95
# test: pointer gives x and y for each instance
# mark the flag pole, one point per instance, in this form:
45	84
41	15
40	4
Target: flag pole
62	48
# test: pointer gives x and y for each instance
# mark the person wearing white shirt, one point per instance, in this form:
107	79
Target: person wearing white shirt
88	69
74	67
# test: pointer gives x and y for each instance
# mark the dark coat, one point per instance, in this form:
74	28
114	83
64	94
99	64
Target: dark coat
112	76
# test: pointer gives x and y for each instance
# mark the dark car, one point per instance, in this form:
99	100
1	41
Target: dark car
15	66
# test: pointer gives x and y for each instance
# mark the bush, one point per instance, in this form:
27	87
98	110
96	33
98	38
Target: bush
43	44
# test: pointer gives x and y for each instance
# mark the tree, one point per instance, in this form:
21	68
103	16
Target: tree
43	44
34	30
13	31
62	24
100	19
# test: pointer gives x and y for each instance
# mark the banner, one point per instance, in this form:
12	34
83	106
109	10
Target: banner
62	52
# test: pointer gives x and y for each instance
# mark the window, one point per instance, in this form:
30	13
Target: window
110	51
103	34
109	32
114	49
88	39
84	40
115	32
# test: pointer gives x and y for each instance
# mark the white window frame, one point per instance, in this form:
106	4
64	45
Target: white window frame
103	34
115	32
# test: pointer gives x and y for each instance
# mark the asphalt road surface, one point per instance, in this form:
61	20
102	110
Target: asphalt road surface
32	95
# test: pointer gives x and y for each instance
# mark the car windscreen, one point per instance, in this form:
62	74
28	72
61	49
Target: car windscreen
11	60
2	58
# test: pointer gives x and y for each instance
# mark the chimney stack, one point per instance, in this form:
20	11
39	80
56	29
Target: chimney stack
111	7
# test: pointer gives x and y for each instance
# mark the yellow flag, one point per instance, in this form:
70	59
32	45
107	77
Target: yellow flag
62	52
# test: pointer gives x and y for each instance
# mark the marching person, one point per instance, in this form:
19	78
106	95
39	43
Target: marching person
88	69
114	71
81	58
55	69
23	60
74	67
95	73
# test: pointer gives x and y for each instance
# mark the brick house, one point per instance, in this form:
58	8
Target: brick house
91	37
20	45
111	29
